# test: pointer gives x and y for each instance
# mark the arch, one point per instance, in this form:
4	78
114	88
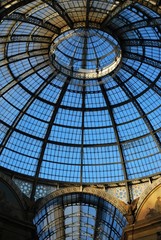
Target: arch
78	212
13	188
148	199
120	205
15	213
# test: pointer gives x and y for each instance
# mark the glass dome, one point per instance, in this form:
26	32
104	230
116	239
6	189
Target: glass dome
63	118
85	53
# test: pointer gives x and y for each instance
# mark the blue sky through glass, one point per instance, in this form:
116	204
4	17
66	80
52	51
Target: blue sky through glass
70	125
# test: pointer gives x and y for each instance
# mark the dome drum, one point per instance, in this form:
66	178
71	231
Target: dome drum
68	53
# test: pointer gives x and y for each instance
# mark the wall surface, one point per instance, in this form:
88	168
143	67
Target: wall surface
15	217
147	225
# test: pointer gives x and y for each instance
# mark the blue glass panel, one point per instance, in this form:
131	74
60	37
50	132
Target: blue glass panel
6	26
93	85
133	63
3	131
154	118
60	172
94	119
149	71
135	86
144	167
62	154
125	113
138	159
38	59
25	28
24	145
40	110
20	67
118	21
52	91
17	96
102	173
16	48
147	10
132	129
46	72
124	75
94	100
153	52
140	149
5	76
101	155
69	118
32	82
72	99
117	95
32	126
148	33
18	162
20	154
131	34
43	12
8	112
66	135
109	83
75	85
149	101
135	49
158	83
99	136
130	15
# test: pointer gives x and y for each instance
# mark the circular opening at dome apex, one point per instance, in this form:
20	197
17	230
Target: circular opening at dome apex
85	53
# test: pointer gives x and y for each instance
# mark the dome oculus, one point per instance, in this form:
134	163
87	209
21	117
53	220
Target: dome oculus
85	53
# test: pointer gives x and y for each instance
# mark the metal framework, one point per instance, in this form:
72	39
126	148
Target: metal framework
117	138
22	56
142	42
142	113
57	7
85	129
30	101
33	20
12	7
141	24
64	88
80	205
23	38
124	4
138	57
144	79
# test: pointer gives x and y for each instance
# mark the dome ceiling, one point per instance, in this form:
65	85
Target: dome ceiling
81	90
